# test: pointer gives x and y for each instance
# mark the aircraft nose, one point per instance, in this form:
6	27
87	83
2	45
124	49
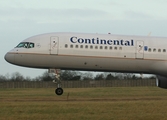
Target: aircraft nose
9	57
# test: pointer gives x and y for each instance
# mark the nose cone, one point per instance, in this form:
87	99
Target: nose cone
9	57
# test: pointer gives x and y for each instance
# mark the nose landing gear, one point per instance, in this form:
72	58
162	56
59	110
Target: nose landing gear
59	91
55	73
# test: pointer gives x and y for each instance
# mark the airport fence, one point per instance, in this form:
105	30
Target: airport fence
79	84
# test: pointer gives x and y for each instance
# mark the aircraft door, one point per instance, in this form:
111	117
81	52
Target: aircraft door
54	43
139	49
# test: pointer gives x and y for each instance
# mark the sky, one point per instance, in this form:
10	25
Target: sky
20	19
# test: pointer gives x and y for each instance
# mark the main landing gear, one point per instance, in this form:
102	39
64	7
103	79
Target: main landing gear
55	73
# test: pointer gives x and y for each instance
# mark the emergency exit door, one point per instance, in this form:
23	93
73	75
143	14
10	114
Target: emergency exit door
139	49
54	43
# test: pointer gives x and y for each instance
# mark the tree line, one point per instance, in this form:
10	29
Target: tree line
74	75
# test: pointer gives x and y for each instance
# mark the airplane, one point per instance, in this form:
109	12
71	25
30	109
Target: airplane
92	52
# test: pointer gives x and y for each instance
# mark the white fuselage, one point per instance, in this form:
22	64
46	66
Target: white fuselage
95	52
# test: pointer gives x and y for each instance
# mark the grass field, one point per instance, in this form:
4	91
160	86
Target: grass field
117	103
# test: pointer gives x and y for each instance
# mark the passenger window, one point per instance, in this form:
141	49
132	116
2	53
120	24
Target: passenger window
91	47
110	47
86	46
76	46
120	48
96	47
164	50
145	48
106	47
149	49
154	50
81	46
115	48
159	50
66	46
101	47
71	46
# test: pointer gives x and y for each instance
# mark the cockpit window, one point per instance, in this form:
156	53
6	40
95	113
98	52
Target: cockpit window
25	45
31	45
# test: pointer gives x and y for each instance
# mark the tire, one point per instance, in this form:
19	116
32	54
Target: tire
59	91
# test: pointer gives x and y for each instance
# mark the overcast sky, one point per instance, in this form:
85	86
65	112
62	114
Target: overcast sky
20	19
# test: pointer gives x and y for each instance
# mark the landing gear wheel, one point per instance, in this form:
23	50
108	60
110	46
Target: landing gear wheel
59	91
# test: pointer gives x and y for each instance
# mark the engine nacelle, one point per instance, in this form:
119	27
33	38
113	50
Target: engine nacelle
161	82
